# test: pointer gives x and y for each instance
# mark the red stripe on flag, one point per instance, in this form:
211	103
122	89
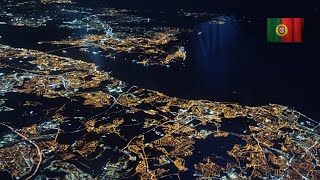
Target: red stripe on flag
298	29
295	29
289	23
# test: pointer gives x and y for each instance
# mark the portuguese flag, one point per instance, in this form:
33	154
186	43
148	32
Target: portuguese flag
285	29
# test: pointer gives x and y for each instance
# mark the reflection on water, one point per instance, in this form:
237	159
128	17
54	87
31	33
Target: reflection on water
211	42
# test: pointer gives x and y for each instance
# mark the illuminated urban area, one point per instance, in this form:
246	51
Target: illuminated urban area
66	118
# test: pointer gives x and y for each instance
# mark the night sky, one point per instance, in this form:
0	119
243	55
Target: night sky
271	8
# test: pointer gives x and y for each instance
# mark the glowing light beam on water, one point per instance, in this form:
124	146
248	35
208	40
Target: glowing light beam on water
212	43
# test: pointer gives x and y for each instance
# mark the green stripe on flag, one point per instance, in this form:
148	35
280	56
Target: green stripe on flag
272	36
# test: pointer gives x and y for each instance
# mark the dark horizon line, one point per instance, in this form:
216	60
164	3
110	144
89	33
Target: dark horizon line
294	10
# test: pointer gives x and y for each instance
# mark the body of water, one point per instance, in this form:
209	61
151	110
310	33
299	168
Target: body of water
226	62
